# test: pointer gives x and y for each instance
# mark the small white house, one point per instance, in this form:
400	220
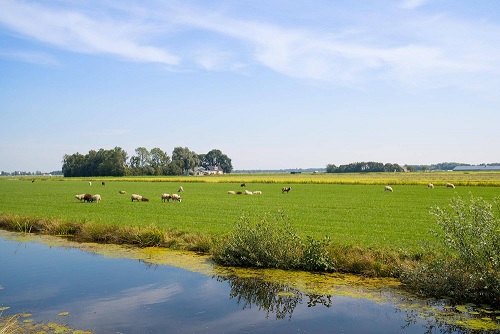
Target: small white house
214	170
199	171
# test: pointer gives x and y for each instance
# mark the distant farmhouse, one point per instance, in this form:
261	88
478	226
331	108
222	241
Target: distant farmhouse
208	171
483	168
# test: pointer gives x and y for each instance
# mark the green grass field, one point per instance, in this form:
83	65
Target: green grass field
361	214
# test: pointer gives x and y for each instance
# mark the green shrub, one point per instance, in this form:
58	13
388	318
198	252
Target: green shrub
472	231
316	256
270	242
469	272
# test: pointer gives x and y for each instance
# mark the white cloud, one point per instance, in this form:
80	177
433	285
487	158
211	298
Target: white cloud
412	4
30	57
416	50
80	33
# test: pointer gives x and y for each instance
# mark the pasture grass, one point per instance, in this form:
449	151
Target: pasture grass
330	223
350	214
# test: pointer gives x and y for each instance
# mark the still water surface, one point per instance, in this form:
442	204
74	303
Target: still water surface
118	295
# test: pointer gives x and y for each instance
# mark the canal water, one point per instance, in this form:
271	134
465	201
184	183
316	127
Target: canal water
106	294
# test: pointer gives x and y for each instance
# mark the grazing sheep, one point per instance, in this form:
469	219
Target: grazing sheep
243	185
180	190
144	199
103	183
96	198
285	189
32	180
80	197
239	193
90	183
247	192
176	197
450	185
231	192
430	186
257	192
388	188
136	197
166	197
88	198
122	192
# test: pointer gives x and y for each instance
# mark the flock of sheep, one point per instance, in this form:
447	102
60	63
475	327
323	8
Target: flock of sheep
177	198
246	192
256	192
88	198
134	197
430	186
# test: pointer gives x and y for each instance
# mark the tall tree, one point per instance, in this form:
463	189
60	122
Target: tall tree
217	158
73	164
140	163
95	163
185	159
159	161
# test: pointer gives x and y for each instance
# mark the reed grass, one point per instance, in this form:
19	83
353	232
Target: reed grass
10	325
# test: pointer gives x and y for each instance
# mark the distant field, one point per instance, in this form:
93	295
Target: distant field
350	209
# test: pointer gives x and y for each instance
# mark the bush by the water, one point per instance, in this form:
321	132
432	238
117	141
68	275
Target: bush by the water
271	242
470	271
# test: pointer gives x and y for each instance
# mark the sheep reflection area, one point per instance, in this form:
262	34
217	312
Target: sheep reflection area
273	298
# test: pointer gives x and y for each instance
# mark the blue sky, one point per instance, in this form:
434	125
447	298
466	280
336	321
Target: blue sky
272	84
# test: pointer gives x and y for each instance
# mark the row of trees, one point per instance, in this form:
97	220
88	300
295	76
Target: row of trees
115	162
364	167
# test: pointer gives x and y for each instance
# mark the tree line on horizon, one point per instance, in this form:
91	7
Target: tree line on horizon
364	167
371	166
115	162
137	169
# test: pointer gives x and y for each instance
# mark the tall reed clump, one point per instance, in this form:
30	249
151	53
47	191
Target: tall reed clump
270	242
10	325
470	271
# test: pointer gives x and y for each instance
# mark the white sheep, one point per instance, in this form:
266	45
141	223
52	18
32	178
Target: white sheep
176	197
388	188
136	197
166	197
122	192
450	185
180	189
96	198
430	186
90	183
80	197
231	192
248	192
257	192
285	189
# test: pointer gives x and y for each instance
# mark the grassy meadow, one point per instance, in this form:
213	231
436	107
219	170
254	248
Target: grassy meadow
351	209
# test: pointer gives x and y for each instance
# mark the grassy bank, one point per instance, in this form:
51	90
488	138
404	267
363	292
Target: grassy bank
350	215
333	223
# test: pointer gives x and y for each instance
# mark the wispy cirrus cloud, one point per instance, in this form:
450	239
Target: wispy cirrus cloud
37	58
412	4
367	53
71	30
354	53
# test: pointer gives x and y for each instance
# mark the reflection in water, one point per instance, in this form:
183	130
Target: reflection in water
112	294
271	297
281	300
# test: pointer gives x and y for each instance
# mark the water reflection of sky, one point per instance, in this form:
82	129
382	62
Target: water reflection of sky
119	295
